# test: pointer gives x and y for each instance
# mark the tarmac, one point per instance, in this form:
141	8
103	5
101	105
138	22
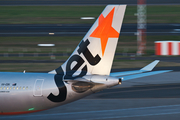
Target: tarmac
80	29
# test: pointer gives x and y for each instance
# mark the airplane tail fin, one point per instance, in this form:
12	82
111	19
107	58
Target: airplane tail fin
95	53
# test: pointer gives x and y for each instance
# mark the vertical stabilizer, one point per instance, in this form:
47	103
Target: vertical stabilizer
95	53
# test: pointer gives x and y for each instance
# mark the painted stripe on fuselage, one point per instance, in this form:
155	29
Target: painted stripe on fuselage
18	113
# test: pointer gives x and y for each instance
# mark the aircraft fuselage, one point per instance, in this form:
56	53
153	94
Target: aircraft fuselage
30	92
33	92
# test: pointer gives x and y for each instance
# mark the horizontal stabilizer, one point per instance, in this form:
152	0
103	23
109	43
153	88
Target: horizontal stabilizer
115	74
129	77
148	67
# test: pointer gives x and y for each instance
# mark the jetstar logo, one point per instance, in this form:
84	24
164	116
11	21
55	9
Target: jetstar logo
71	70
103	31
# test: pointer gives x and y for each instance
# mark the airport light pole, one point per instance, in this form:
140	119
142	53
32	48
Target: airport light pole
141	27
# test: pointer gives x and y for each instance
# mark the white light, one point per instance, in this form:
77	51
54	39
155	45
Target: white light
51	33
87	18
46	45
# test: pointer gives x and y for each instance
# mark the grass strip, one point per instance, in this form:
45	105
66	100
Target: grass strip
72	14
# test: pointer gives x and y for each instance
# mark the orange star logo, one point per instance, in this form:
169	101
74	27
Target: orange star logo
105	30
